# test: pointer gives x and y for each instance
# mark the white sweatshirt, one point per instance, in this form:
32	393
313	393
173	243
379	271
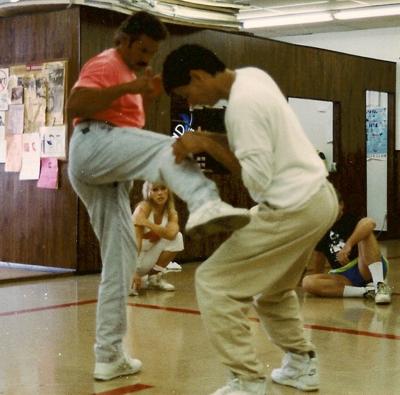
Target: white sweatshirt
279	164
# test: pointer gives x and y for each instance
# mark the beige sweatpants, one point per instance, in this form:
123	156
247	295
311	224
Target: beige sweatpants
262	263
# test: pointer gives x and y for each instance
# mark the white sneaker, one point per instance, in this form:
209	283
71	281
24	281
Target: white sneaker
173	267
215	217
123	366
298	371
155	281
383	294
239	386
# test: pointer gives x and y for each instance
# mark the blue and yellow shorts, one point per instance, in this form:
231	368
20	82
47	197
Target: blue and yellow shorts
351	272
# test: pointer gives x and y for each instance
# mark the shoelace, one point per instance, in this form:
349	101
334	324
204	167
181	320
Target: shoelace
383	288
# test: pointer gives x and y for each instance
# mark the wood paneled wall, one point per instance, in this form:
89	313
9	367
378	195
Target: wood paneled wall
38	226
51	228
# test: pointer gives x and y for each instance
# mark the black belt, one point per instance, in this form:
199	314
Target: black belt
85	125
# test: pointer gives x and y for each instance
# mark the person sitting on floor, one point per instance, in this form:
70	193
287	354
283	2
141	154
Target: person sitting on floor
352	251
157	236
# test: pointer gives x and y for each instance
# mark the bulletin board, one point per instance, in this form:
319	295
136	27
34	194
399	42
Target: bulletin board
33	132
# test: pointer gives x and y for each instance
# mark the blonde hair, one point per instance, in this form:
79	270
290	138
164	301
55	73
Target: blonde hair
147	185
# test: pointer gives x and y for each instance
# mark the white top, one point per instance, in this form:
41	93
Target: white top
147	244
279	164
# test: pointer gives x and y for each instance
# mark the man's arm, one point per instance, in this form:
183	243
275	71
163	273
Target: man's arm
364	228
196	142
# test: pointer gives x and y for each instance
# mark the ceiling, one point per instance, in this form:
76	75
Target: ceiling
305	6
229	14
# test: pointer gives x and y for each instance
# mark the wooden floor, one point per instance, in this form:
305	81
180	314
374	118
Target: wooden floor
47	335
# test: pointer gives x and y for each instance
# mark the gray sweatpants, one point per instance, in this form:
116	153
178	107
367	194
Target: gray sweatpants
103	162
262	263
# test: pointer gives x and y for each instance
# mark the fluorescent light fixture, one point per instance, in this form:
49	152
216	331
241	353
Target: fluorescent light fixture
293	19
368	12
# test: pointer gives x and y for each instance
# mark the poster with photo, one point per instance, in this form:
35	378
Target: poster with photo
55	72
53	140
35	105
376	128
17	95
4	77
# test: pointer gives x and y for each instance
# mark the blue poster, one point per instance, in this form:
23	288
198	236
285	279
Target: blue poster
376	126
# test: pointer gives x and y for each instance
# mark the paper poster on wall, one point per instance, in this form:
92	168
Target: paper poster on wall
17	95
376	129
13	153
53	140
15	119
30	169
3	144
35	103
2	118
48	173
4	76
55	95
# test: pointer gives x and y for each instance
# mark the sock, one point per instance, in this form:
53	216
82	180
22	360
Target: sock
158	268
376	270
353	292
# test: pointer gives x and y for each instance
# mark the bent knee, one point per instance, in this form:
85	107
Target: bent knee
310	285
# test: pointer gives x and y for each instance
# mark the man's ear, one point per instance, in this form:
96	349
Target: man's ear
197	75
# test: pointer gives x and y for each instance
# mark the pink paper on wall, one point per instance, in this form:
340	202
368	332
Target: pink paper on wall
48	174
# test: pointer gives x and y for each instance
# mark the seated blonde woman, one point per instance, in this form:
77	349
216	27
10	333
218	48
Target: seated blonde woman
157	237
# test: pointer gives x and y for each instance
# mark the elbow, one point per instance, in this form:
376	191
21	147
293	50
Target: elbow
171	235
78	105
72	108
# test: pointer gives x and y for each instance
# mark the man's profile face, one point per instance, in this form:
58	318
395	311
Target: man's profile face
139	53
200	90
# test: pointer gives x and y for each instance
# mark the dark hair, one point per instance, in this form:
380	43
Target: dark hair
179	63
141	23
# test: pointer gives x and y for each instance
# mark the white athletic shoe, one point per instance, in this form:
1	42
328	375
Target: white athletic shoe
239	386
298	371
216	217
123	366
155	281
173	267
383	294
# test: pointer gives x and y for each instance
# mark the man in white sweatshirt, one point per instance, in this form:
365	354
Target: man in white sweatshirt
263	262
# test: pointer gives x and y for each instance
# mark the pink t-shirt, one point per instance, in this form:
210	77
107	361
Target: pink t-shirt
108	69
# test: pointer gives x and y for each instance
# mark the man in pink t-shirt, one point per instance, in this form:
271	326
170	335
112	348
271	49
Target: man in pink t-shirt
108	150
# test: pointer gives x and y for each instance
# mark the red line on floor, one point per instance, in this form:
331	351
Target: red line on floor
125	390
352	332
197	312
55	306
308	326
173	309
